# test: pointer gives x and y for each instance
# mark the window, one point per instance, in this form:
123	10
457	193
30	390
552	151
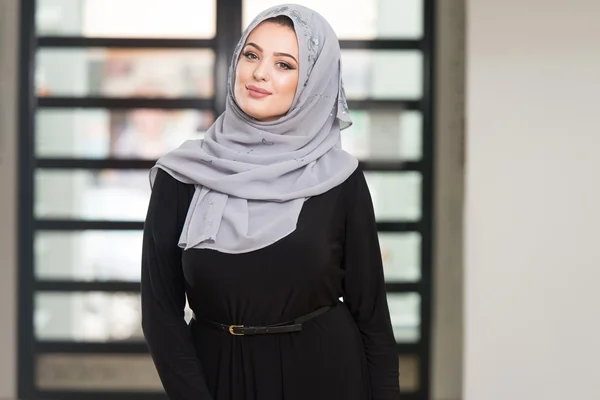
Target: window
107	89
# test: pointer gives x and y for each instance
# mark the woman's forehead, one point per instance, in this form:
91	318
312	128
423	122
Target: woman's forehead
272	37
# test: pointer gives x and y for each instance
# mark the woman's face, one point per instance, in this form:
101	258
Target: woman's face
267	72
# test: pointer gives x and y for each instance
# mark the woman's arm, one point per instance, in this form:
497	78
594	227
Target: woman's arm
364	290
163	294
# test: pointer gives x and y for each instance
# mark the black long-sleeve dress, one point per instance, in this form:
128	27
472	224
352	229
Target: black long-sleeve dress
347	353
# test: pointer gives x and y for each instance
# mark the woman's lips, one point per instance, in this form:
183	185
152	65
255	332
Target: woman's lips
256	92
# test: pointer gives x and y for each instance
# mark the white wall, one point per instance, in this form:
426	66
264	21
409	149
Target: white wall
532	253
8	127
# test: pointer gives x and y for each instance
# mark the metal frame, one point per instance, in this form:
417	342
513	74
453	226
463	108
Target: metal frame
196	103
427	196
117	163
227	33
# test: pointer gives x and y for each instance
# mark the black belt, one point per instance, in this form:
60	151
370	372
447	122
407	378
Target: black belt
284	327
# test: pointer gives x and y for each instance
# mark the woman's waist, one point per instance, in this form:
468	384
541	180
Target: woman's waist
253	325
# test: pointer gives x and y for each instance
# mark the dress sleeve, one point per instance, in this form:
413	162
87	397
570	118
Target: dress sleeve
365	293
163	293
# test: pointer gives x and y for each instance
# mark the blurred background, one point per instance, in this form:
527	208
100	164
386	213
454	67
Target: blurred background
476	121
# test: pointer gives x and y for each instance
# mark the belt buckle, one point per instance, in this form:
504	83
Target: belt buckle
232	327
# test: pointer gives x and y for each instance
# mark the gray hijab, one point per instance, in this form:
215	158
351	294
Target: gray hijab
251	178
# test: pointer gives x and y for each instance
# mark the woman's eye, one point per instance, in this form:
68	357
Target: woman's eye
283	65
250	56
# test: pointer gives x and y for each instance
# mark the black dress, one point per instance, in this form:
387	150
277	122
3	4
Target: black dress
347	353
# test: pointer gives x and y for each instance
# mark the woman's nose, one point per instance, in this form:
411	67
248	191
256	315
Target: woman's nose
260	73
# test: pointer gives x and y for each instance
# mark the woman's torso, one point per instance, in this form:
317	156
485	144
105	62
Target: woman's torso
290	278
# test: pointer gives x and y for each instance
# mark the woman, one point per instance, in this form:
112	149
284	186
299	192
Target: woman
264	225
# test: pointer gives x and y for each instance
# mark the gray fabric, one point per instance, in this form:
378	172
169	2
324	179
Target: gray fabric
253	177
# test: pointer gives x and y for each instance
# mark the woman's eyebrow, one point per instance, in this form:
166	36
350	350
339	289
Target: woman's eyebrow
286	55
254	45
276	54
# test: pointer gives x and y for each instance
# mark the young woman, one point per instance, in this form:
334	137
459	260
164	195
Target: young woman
267	226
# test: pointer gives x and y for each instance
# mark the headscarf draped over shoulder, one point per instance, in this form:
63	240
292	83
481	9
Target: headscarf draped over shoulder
251	178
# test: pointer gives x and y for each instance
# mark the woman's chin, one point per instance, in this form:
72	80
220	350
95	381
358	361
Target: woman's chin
260	115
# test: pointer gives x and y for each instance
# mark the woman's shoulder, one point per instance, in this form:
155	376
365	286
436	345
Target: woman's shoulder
347	191
163	178
356	190
164	181
356	180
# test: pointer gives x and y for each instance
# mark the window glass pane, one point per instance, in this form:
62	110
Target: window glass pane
396	196
406	316
93	316
110	372
409	373
125	72
89	316
367	19
124	194
104	195
384	135
401	253
97	372
130	18
382	74
100	133
82	255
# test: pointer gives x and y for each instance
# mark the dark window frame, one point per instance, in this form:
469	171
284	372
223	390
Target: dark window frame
227	34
